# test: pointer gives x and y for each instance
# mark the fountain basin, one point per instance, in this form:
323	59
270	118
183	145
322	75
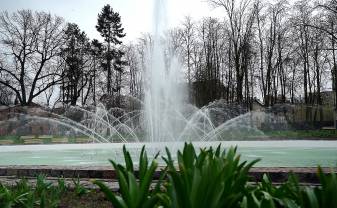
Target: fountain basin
285	153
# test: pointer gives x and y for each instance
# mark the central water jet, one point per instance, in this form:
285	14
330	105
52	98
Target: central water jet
164	93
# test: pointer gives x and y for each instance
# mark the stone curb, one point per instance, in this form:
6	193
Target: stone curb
279	175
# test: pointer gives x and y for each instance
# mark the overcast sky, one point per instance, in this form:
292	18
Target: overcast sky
136	14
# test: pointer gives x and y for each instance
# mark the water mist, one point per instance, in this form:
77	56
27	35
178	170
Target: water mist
164	93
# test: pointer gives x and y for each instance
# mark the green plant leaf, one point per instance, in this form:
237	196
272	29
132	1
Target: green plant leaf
115	200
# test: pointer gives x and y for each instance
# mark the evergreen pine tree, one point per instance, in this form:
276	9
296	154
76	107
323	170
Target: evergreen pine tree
74	53
110	27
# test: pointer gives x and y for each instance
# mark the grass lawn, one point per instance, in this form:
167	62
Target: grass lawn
43	139
303	134
287	134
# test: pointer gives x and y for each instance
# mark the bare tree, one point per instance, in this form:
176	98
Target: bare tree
187	35
240	16
30	43
134	70
271	32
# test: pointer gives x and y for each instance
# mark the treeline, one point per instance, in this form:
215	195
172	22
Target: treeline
42	58
271	50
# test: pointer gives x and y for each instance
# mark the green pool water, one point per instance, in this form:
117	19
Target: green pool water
293	153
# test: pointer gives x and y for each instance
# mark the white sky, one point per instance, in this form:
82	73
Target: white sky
136	14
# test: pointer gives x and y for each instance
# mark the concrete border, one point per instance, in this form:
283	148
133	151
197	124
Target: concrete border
278	175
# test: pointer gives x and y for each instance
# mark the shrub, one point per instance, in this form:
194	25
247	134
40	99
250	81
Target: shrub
208	179
133	193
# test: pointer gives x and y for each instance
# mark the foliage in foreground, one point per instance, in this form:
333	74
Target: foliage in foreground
43	195
208	179
132	193
212	178
24	195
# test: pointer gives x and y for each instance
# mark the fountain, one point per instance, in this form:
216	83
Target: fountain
165	119
164	93
164	116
